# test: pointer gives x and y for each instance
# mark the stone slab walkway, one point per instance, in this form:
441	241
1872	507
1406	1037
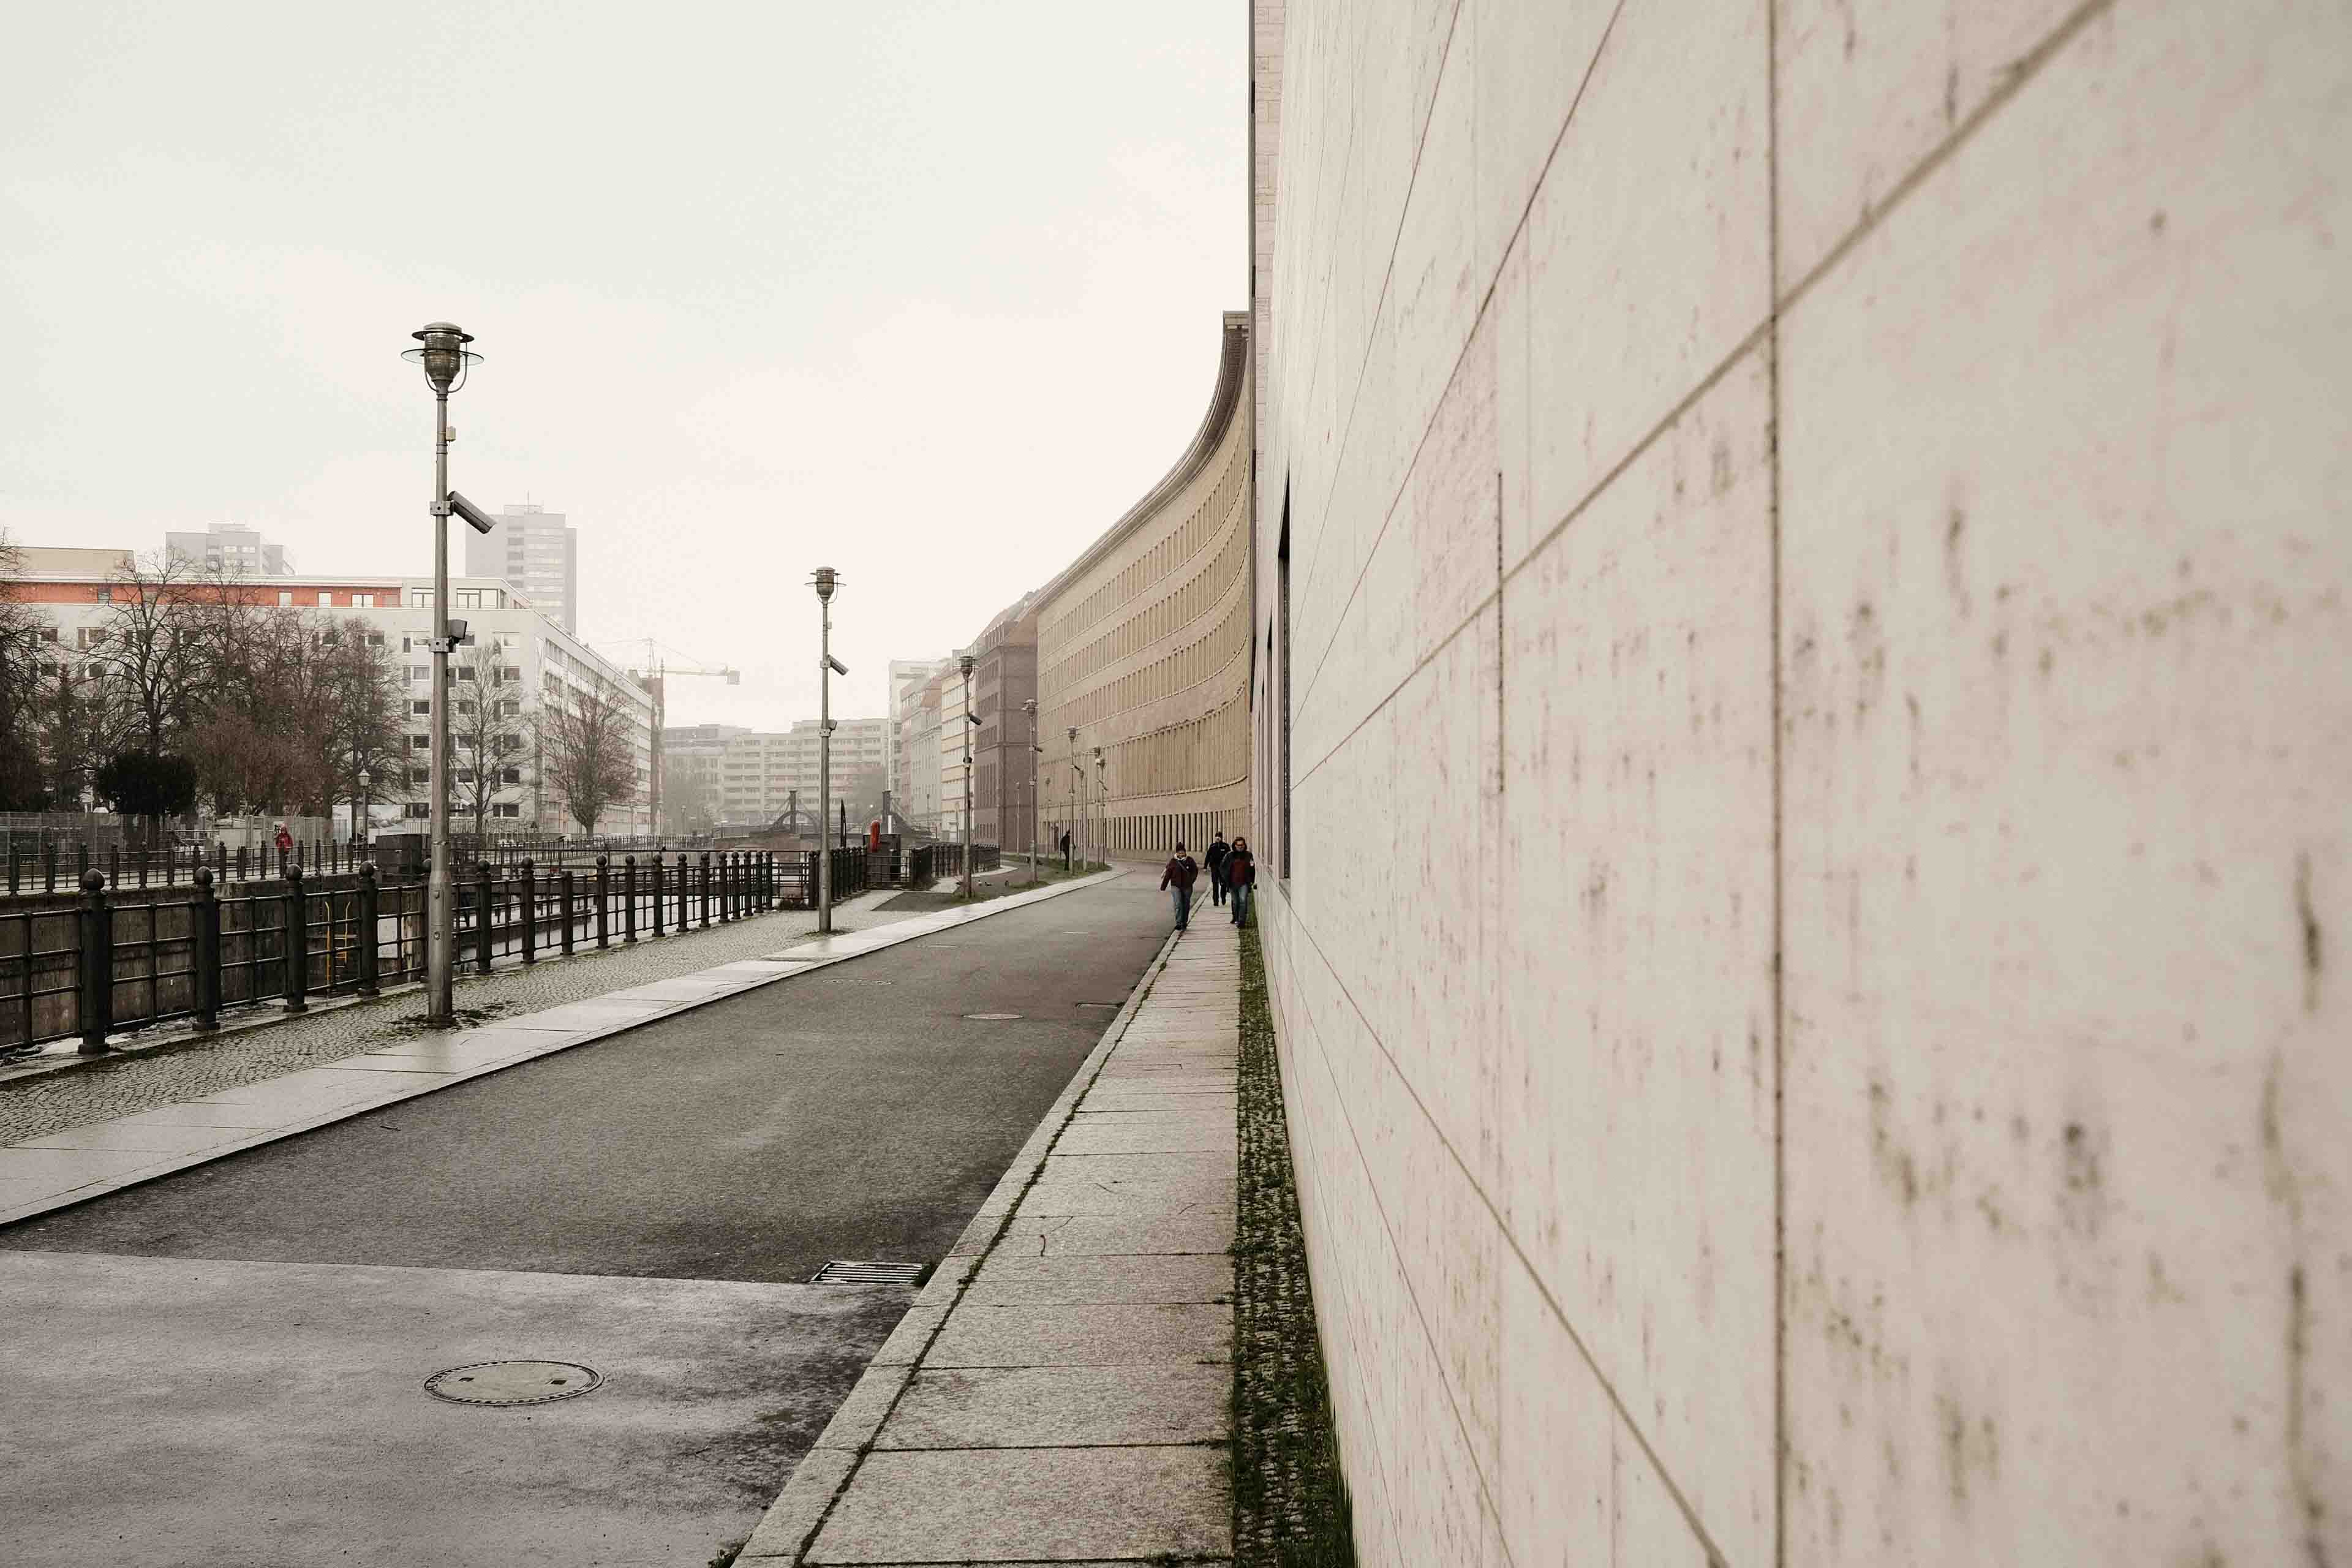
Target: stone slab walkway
1058	1392
50	1170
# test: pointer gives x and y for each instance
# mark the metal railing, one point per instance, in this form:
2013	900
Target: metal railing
101	966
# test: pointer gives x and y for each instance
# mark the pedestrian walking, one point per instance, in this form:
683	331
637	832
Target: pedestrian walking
1181	869
1240	876
1213	861
1065	849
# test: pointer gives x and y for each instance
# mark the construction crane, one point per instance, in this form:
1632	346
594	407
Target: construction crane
654	674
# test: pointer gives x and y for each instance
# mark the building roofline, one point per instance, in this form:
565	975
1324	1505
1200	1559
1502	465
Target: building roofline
1233	370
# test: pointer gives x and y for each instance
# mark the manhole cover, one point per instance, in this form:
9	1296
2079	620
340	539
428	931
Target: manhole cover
513	1383
993	1017
841	1271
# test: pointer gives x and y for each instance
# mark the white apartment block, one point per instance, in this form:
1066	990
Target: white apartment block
756	773
538	662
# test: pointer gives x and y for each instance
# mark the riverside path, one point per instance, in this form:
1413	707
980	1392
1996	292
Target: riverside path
228	1364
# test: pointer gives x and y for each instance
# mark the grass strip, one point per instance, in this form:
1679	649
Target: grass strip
1291	1507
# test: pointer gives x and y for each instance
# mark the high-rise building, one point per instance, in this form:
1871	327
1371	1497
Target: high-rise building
755	776
539	555
229	547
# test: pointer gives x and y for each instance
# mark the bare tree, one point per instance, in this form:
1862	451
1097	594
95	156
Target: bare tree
490	728
587	738
27	642
153	650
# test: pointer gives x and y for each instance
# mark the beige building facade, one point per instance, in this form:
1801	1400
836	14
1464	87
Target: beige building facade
1143	649
1805	611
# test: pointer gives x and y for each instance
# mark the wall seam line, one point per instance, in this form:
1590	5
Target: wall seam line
1690	1515
1388	268
1779	863
2022	71
1477	319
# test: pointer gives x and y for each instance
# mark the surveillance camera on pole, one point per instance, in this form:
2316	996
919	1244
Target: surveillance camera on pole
476	518
826	579
441	350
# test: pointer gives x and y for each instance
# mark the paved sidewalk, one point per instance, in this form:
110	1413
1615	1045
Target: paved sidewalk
1058	1390
52	1169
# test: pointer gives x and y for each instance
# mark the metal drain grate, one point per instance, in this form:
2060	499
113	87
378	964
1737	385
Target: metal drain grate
842	1271
1111	1006
993	1017
513	1383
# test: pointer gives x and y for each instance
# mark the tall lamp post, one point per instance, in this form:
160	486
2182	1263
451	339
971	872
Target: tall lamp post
1102	806
827	667
362	825
1036	750
442	352
964	663
1077	827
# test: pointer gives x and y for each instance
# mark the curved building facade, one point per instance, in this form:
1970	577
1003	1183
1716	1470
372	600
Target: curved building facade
1143	650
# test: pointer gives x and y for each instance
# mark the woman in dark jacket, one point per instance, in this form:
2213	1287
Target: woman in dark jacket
1240	876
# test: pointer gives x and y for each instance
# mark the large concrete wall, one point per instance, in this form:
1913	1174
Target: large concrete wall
1819	722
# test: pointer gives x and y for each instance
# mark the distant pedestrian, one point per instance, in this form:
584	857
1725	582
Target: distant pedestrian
1181	869
1240	875
1065	850
1213	861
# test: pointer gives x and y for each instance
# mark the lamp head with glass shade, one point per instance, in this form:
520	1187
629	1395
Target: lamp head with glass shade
826	579
442	352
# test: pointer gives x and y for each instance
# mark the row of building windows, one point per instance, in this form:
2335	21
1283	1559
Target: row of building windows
1199	754
1162	831
1187	666
1180	545
1186	605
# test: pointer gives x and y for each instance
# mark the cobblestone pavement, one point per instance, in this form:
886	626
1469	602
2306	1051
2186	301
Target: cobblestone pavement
55	1101
1290	1500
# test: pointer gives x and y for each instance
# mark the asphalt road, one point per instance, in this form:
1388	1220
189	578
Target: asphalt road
858	1113
239	1351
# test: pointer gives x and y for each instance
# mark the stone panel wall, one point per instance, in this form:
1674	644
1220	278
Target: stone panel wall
1802	641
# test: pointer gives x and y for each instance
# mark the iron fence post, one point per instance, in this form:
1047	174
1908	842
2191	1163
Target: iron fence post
298	942
604	899
685	895
370	912
486	925
49	855
628	900
657	893
530	910
204	916
563	885
95	960
705	890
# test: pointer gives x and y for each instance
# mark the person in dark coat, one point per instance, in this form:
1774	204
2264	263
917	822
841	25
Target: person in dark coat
1240	876
1065	849
1213	861
1181	869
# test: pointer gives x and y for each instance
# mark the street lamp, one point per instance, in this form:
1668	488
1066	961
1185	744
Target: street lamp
1077	793
964	663
826	579
1029	708
1102	804
442	352
367	806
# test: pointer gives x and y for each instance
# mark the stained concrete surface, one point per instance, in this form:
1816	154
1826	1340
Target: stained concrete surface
226	1365
188	1411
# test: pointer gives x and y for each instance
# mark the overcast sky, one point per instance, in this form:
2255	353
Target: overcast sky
929	292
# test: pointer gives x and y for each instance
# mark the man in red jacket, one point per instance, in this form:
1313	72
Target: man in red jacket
1181	869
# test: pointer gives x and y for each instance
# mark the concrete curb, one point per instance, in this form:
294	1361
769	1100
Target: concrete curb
849	946
791	1521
